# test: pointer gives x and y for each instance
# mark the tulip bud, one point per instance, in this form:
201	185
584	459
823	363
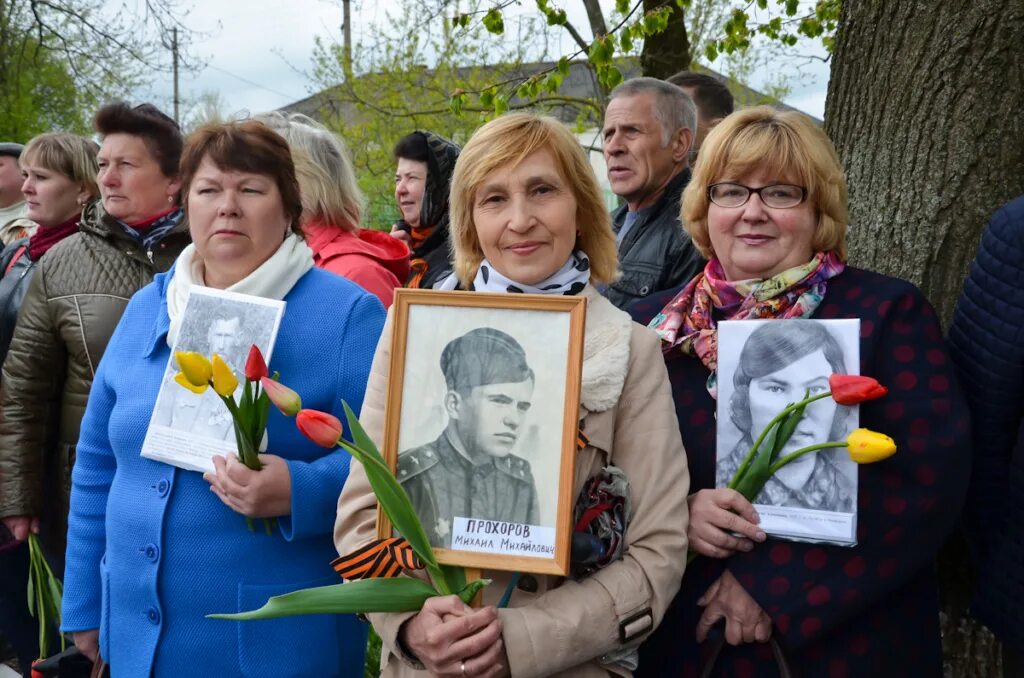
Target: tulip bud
852	389
284	399
255	365
224	380
195	367
322	428
182	380
867	447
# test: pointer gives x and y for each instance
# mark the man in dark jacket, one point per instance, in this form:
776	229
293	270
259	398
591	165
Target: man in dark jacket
985	344
648	131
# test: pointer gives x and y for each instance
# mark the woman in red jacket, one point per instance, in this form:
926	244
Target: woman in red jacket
332	207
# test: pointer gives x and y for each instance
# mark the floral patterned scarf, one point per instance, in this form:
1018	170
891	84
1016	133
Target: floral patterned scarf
688	320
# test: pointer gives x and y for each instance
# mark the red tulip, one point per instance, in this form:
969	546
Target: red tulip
255	365
285	399
322	428
851	389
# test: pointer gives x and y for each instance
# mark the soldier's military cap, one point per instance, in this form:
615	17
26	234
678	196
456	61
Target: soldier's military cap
483	356
11	148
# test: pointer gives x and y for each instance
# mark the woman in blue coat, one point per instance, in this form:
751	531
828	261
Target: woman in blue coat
153	549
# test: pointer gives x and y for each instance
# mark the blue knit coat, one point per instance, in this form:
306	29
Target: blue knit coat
987	344
152	551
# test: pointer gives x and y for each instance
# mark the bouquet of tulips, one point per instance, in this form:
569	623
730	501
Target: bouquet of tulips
45	593
249	416
386	593
763	460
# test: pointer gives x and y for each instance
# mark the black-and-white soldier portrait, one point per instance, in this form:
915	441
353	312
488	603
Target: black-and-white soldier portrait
187	429
471	469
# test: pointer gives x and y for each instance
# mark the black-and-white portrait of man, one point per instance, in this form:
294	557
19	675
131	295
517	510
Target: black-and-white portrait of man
780	361
471	469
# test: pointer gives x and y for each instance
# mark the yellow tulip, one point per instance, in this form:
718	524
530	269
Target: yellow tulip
195	367
224	380
183	381
867	447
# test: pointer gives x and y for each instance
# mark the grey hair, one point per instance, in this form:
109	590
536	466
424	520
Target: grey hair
327	182
673	108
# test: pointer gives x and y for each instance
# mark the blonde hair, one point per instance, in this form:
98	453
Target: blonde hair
505	142
788	145
67	154
327	181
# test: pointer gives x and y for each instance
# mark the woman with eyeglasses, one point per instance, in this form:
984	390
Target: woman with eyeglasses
767	206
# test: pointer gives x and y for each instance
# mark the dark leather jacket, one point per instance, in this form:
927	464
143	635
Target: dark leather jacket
13	286
656	253
74	301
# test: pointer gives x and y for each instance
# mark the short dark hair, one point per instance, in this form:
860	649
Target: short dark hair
713	98
246	146
412	146
161	134
773	346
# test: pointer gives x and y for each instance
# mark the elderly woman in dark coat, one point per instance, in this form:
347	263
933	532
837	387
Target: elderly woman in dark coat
767	205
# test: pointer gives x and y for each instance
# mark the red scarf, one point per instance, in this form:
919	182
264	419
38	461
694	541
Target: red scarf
146	223
46	237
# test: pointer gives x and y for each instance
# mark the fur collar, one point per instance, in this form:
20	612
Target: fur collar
605	352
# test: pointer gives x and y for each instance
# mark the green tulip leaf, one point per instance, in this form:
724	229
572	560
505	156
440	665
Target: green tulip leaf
397	594
469	591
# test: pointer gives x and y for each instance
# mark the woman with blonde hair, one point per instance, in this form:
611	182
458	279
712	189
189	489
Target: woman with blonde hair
767	207
528	216
332	208
59	171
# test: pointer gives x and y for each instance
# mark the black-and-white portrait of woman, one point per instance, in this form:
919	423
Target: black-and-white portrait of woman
767	365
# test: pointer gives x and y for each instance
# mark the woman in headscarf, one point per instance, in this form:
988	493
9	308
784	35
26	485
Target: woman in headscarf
423	175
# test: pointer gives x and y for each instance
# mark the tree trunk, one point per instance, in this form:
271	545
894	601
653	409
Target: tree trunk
668	52
925	107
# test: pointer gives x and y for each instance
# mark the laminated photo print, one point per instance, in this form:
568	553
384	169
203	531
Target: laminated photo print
763	366
187	429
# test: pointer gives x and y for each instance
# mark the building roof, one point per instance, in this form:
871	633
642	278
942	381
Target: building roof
580	83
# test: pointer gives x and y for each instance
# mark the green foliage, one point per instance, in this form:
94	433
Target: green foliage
60	59
494	22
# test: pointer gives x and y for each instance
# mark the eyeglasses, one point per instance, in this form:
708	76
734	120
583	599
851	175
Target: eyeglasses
778	196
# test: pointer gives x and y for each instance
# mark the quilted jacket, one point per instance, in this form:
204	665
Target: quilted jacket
74	302
987	344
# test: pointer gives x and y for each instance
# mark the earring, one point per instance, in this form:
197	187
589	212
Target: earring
170	198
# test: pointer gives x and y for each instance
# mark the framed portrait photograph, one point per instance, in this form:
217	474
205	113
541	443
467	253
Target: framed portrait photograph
481	424
187	429
763	366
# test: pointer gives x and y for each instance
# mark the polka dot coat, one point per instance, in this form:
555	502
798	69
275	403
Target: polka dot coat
867	610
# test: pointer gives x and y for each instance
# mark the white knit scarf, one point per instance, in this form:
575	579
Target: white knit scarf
273	279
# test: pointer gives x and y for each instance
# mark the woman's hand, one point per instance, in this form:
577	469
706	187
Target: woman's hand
745	621
20	526
714	515
266	493
88	642
454	640
401	234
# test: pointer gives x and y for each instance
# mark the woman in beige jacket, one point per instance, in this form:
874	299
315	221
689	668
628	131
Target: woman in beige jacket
527	214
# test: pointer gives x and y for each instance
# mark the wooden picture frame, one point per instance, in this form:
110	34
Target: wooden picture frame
527	353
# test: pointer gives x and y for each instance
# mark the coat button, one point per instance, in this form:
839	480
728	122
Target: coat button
163	487
153	615
527	583
152	552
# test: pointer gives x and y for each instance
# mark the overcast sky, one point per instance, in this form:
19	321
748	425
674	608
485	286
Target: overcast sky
255	57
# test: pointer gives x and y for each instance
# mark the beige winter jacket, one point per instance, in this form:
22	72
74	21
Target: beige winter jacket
575	627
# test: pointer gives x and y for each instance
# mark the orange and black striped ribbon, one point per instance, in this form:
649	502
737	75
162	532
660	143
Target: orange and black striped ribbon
382	558
581	439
